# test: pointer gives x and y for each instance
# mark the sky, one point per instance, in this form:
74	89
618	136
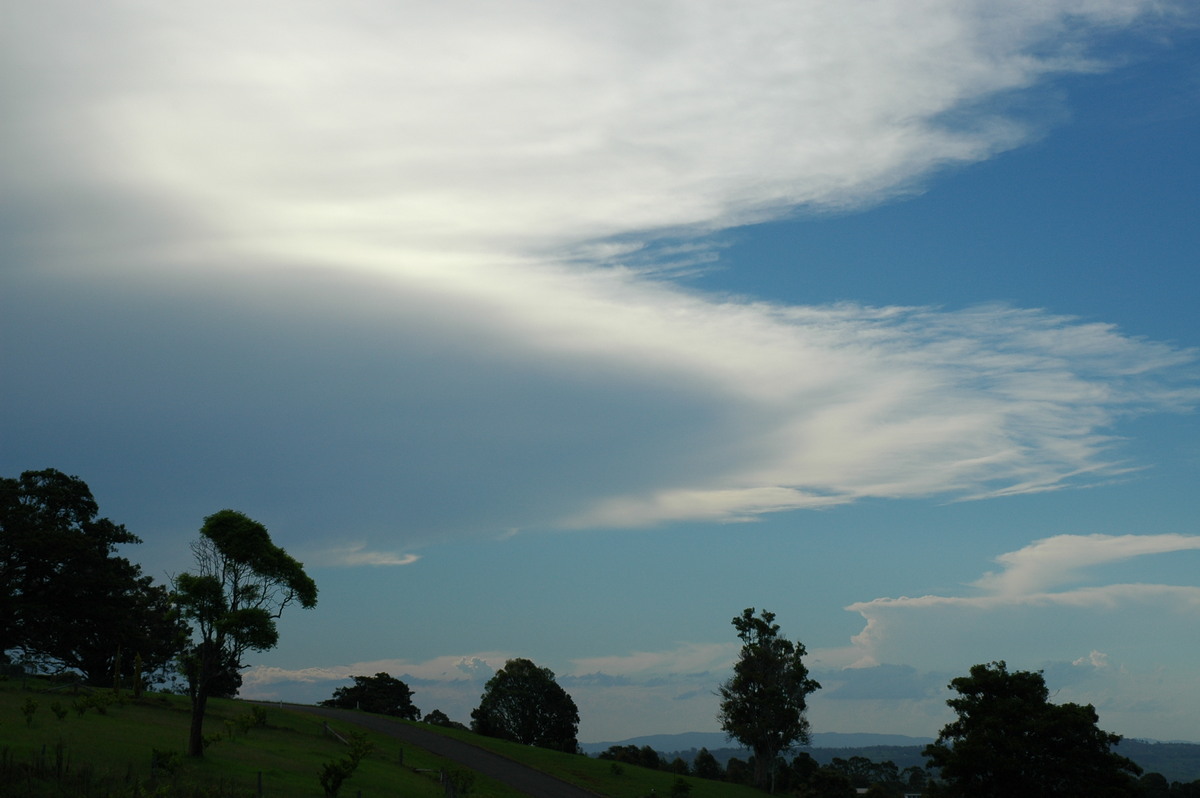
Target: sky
567	331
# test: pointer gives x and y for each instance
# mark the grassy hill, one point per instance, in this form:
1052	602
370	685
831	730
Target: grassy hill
101	747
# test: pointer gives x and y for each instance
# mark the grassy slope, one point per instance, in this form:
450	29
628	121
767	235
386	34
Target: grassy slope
600	776
289	752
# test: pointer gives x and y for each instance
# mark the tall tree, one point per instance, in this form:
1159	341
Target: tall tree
242	584
66	598
382	694
1010	740
763	705
523	703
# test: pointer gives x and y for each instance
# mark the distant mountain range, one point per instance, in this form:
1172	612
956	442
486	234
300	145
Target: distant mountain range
1175	760
717	740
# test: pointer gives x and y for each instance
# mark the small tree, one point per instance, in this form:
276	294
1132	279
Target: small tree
523	703
706	766
242	583
763	705
382	694
1010	740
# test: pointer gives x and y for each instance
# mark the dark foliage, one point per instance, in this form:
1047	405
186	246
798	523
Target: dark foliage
439	718
67	600
382	694
645	756
241	586
763	705
523	703
1010	740
706	766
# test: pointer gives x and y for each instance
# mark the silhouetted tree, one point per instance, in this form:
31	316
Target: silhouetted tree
763	705
66	598
737	771
1010	740
439	718
241	586
706	766
523	703
382	694
1154	785
645	756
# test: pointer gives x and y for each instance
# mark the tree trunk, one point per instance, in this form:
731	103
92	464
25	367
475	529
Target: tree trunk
196	733
764	764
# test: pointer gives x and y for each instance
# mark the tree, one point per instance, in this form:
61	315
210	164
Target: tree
523	703
241	586
1010	740
117	616
706	766
382	694
66	598
763	705
439	718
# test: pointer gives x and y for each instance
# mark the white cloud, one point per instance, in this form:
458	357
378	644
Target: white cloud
358	554
396	131
618	696
475	667
686	658
1054	561
1096	659
446	201
1020	620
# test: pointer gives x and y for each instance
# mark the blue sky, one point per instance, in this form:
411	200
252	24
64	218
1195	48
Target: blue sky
568	332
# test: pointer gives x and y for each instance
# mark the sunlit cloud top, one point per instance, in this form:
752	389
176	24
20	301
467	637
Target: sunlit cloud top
407	131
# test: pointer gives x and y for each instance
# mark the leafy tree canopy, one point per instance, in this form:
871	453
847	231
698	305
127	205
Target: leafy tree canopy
382	694
439	718
66	599
763	705
1009	740
240	588
523	703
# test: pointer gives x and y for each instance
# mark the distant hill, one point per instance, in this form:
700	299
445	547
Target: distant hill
1176	761
717	740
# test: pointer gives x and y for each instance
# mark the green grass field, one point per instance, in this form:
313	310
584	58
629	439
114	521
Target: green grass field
109	754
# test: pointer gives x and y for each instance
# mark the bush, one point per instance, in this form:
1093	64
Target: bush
167	761
28	709
333	774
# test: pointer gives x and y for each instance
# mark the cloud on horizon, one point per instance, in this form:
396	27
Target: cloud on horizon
1085	638
1035	609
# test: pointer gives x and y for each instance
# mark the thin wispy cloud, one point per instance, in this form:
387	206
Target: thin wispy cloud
1062	559
358	554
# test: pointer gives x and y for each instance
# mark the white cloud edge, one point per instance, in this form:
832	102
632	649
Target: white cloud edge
355	554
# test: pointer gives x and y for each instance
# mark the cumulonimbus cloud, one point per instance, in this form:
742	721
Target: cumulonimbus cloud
471	186
1020	602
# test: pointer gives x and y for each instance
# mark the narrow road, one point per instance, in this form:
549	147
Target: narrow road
530	782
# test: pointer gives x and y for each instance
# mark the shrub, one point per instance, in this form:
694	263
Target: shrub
28	709
333	774
167	761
